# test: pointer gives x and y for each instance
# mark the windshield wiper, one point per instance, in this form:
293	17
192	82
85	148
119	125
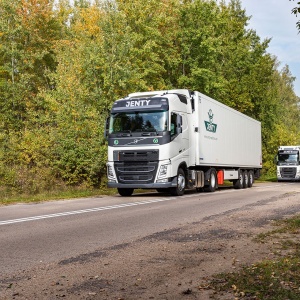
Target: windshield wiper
151	131
124	133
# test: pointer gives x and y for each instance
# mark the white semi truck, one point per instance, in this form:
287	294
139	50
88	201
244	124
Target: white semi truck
174	140
288	163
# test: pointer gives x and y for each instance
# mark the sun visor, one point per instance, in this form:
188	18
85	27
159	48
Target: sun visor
140	104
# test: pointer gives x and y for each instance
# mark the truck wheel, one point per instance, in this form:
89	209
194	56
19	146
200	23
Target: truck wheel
251	178
213	183
179	190
246	179
125	192
238	183
162	190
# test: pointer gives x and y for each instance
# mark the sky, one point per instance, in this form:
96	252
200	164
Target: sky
273	19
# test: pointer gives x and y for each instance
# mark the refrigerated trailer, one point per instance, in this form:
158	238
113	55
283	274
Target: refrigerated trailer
174	140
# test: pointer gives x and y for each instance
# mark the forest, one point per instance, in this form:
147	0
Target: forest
63	64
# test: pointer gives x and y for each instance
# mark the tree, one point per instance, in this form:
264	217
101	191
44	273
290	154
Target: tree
29	29
63	63
296	11
154	28
229	62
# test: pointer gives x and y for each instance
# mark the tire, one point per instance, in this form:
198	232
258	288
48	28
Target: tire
125	192
251	178
246	179
162	190
213	182
238	183
179	189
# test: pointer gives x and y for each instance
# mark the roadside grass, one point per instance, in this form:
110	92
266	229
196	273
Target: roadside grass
277	279
70	193
267	178
76	192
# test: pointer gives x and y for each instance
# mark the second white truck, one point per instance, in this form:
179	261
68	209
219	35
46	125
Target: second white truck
172	140
288	163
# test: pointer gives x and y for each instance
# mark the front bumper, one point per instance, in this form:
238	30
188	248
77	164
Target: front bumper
288	179
156	185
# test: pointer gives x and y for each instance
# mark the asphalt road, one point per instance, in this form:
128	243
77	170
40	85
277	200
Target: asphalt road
36	234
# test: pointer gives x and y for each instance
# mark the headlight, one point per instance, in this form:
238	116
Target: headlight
110	174
163	171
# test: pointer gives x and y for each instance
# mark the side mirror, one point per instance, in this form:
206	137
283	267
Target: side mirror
276	159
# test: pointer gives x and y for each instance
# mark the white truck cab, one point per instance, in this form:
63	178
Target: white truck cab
288	163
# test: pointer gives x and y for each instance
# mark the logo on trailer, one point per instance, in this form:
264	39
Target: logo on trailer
210	126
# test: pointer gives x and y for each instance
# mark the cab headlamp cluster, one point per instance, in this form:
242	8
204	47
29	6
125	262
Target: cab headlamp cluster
162	174
110	174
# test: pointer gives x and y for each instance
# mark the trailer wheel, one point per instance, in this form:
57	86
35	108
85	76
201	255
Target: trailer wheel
179	189
126	192
213	183
238	183
245	179
251	178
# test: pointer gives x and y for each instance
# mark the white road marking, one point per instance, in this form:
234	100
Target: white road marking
76	212
89	210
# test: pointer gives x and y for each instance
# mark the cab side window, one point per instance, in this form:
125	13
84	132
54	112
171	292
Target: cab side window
173	124
176	125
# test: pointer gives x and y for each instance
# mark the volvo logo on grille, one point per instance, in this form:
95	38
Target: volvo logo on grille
135	141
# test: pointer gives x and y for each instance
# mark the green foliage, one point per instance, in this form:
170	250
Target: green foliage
63	65
296	11
278	279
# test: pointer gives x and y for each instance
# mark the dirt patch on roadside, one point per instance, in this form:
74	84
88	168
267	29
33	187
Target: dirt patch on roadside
173	264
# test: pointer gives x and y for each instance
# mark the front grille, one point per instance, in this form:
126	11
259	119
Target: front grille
288	173
132	172
133	169
137	166
138	155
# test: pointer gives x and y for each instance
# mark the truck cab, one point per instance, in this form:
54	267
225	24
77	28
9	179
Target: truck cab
148	142
288	166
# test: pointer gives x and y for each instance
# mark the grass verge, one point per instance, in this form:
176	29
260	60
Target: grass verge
55	195
70	193
277	279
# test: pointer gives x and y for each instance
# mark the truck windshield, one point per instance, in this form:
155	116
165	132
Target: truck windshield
288	157
150	121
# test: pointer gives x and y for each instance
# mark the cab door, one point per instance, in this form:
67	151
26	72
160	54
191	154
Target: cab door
179	135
